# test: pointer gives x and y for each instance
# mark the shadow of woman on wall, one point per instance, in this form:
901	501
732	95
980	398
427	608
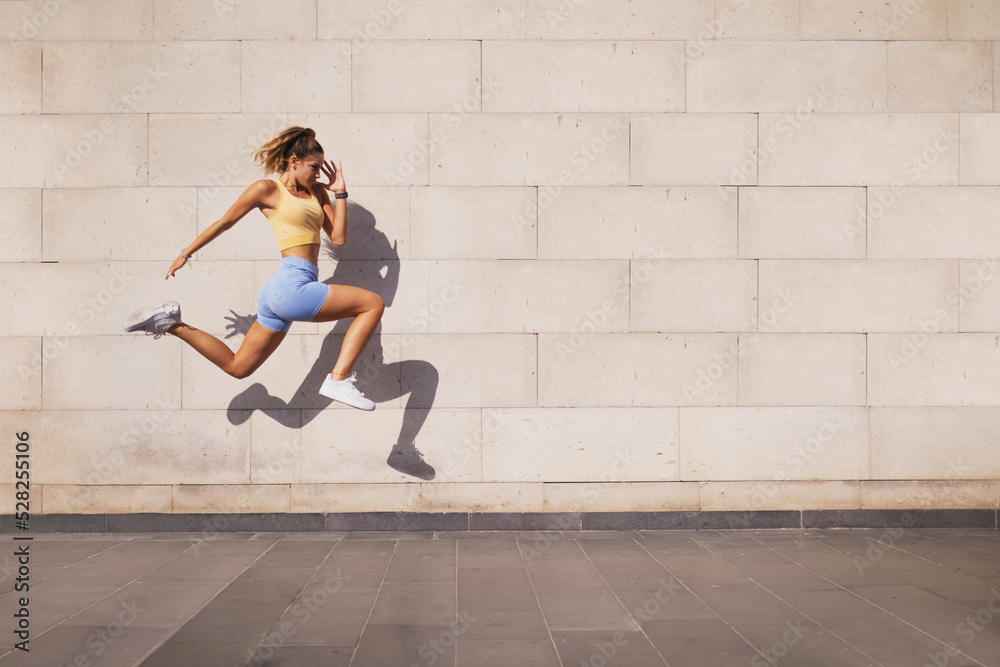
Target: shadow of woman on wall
367	261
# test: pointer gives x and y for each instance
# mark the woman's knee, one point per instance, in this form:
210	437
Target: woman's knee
376	303
240	370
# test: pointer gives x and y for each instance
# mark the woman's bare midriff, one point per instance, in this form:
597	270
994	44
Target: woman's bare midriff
309	251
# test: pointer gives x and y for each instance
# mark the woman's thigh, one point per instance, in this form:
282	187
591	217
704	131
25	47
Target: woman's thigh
347	301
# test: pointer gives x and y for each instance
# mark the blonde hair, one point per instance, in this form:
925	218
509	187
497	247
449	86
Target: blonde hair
298	141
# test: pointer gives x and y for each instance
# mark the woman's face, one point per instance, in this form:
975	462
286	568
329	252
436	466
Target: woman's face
307	170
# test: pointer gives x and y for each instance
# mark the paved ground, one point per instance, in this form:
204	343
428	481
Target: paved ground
706	599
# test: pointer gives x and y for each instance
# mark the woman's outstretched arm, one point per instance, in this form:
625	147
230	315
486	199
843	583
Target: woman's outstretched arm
253	197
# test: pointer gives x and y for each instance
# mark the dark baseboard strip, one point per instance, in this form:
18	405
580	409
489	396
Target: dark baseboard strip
397	521
215	523
210	524
690	520
899	519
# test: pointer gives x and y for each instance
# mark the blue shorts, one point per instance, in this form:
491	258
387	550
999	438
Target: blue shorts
294	294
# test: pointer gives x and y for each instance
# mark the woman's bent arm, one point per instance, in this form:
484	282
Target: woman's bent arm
335	224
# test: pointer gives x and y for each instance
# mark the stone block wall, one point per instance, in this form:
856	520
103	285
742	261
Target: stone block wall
638	255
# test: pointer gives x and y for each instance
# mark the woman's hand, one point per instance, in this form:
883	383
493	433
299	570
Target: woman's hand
335	176
178	263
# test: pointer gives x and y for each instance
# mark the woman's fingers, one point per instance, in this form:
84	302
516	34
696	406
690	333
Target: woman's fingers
177	263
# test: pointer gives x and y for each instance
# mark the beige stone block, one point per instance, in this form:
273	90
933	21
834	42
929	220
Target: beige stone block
693	149
238	498
376	148
979	293
142	77
788	495
99	373
621	497
756	19
973	19
295	76
473	223
26	284
802	223
638	223
21	78
979	145
575	445
123	224
77	19
73	151
938	443
76	499
400	76
95	297
134	447
874	19
378	225
619	19
693	295
8	500
211	150
356	498
859	149
495	497
854	296
940	76
930	495
477	370
365	22
235	19
996	77
21	227
794	77
774	443
529	149
933	223
275	446
802	369
583	370
292	375
575	76
351	446
933	368
527	296
20	374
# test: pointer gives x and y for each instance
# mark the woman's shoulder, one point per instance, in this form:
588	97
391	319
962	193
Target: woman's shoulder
265	185
265	188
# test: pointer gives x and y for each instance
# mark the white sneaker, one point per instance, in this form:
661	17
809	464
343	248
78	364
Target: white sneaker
345	392
155	320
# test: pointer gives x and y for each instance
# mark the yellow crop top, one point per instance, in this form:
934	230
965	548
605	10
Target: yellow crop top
296	221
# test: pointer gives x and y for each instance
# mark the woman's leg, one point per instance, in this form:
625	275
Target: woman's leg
257	346
366	308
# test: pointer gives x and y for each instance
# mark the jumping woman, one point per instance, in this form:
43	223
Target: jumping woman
298	207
